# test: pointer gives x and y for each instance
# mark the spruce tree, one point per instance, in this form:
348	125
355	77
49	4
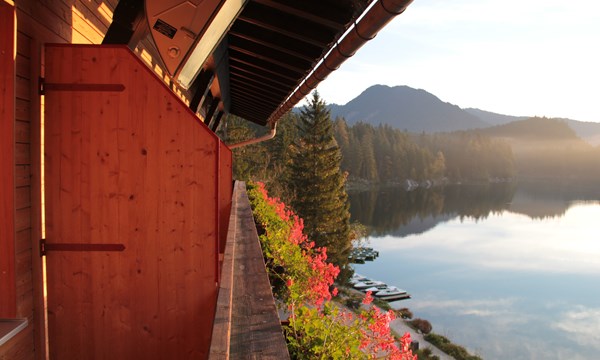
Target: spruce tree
318	184
248	161
278	156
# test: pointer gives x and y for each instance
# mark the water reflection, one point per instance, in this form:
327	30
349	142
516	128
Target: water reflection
512	241
581	324
398	212
509	271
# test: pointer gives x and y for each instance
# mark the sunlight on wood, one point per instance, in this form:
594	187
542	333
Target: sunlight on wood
88	33
105	12
15	32
43	220
159	72
43	214
145	55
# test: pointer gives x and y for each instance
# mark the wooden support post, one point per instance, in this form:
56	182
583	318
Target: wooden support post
204	107
200	88
217	121
211	110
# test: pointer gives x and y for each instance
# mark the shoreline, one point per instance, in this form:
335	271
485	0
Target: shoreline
399	326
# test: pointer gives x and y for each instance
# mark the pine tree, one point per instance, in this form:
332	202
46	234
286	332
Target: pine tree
318	183
279	152
342	136
248	161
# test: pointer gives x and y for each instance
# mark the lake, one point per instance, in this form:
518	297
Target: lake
508	271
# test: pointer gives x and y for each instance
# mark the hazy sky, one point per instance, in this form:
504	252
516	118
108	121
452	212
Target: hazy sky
514	57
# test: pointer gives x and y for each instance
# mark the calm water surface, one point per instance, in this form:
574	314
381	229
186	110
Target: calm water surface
510	272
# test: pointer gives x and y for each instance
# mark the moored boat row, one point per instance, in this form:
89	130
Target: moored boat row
361	254
378	288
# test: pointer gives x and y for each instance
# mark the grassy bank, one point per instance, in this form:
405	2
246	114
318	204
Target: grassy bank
456	351
351	299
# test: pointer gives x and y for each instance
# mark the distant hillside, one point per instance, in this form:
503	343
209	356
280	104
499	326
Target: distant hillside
493	119
548	148
406	108
588	131
534	129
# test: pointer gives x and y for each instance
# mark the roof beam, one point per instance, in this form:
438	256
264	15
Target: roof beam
233	59
302	13
258	55
257	32
272	45
259	94
238	70
283	31
250	94
260	84
275	55
257	97
245	110
255	107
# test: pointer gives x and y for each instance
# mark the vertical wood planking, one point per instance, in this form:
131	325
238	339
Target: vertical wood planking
144	212
133	167
8	305
43	22
39	23
23	200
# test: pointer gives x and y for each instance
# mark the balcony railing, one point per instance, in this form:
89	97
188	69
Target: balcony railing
246	322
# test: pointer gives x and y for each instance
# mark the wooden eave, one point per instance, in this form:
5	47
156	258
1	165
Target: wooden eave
274	44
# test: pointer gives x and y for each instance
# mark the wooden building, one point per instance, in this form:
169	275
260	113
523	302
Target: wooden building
120	226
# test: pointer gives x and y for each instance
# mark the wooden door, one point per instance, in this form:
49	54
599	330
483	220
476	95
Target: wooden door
132	210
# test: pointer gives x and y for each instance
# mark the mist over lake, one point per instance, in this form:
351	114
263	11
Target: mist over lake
509	271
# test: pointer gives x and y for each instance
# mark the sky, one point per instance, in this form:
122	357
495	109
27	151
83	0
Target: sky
513	57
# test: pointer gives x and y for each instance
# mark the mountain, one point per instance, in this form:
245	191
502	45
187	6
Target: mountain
416	110
406	108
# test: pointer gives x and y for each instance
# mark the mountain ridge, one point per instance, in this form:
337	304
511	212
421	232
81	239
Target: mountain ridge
373	106
416	110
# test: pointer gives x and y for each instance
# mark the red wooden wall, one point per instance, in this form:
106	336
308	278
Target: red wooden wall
128	166
38	22
8	303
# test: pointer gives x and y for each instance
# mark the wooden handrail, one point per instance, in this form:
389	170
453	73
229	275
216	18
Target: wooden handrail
246	321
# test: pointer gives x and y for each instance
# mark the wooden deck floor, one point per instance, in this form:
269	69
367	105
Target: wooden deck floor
246	324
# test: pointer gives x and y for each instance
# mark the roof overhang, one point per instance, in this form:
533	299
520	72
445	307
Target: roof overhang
274	52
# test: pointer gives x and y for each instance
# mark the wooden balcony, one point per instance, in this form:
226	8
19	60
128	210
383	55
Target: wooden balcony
246	322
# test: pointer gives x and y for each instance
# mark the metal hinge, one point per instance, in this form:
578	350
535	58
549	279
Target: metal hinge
45	247
42	247
41	83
